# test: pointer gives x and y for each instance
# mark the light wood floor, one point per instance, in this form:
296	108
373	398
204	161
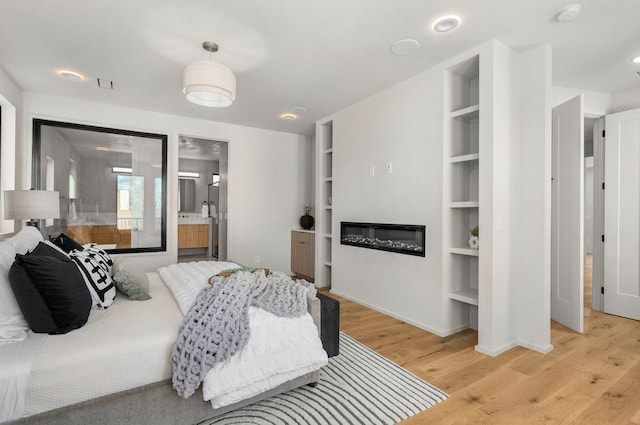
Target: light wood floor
592	378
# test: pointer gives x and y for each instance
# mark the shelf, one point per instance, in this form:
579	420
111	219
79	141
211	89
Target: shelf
327	235
328	179
327	207
465	158
464	204
464	251
469	112
469	296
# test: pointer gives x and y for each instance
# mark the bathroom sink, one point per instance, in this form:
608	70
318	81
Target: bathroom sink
193	220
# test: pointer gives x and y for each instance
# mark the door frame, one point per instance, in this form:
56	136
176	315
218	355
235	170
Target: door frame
597	271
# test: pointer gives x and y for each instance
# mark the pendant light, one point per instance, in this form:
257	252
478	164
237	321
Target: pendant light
209	83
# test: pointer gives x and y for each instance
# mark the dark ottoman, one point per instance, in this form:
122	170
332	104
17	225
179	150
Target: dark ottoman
329	324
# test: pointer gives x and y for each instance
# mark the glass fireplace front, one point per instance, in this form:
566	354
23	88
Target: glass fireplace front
401	238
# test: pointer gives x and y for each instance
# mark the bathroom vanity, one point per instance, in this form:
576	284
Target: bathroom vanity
195	232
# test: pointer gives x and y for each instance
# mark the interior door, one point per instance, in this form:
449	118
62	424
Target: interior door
567	214
622	214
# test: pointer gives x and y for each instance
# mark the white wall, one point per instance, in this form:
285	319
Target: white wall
267	175
532	226
596	104
403	126
499	180
625	101
11	103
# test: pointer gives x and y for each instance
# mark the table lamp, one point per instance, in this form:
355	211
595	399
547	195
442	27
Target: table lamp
31	205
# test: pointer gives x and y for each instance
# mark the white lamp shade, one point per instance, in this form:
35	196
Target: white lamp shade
31	204
209	83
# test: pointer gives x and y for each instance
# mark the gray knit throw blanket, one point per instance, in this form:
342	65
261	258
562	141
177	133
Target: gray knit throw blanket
217	324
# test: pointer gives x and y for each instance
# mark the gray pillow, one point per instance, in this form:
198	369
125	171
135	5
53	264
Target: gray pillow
128	285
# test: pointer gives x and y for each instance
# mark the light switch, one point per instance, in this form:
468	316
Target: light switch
389	168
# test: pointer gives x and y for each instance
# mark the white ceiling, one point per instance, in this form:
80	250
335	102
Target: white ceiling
319	54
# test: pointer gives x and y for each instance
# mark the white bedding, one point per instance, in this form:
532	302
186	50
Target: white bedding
16	359
185	280
279	349
140	337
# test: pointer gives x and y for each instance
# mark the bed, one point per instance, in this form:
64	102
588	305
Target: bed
115	369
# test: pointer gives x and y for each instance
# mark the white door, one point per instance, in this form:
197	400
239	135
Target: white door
622	214
567	218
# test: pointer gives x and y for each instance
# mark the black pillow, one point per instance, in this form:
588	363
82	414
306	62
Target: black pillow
50	291
67	243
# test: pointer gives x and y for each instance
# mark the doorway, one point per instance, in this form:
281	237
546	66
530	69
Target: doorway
203	194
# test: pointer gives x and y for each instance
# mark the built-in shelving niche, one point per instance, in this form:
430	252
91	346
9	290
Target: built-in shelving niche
462	205
324	202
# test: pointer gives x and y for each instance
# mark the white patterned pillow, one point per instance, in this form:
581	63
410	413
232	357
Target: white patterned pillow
95	265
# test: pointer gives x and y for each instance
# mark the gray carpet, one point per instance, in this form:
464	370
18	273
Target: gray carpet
357	387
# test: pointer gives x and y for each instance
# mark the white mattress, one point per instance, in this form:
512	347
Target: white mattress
140	337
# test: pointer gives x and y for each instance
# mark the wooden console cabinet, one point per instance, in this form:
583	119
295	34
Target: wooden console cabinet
303	253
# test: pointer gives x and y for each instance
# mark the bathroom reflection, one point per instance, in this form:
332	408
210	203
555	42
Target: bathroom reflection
112	184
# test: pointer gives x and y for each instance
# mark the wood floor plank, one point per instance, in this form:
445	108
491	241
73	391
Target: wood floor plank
618	404
588	379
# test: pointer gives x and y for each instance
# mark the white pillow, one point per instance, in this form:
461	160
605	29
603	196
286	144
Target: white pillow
26	239
12	323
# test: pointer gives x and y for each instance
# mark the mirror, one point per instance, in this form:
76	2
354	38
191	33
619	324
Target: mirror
187	195
112	184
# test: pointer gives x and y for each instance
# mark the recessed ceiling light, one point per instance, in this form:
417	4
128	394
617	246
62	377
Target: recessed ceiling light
446	23
68	74
636	59
102	149
288	116
405	47
568	13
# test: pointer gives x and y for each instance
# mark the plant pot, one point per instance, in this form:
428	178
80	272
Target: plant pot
306	222
474	242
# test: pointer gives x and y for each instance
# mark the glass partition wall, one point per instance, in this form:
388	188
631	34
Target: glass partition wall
112	184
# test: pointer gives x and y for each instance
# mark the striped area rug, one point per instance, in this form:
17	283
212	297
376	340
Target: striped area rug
357	387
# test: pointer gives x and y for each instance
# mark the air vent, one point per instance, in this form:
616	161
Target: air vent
103	83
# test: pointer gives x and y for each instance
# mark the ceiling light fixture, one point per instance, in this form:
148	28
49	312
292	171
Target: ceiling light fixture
405	47
288	116
209	83
70	75
568	13
446	23
636	59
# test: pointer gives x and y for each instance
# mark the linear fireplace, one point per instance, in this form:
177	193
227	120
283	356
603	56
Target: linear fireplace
401	238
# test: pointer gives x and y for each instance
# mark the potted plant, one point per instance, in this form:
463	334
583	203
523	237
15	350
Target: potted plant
306	221
474	241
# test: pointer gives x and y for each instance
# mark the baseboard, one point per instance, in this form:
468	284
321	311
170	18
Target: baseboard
496	352
438	332
540	349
